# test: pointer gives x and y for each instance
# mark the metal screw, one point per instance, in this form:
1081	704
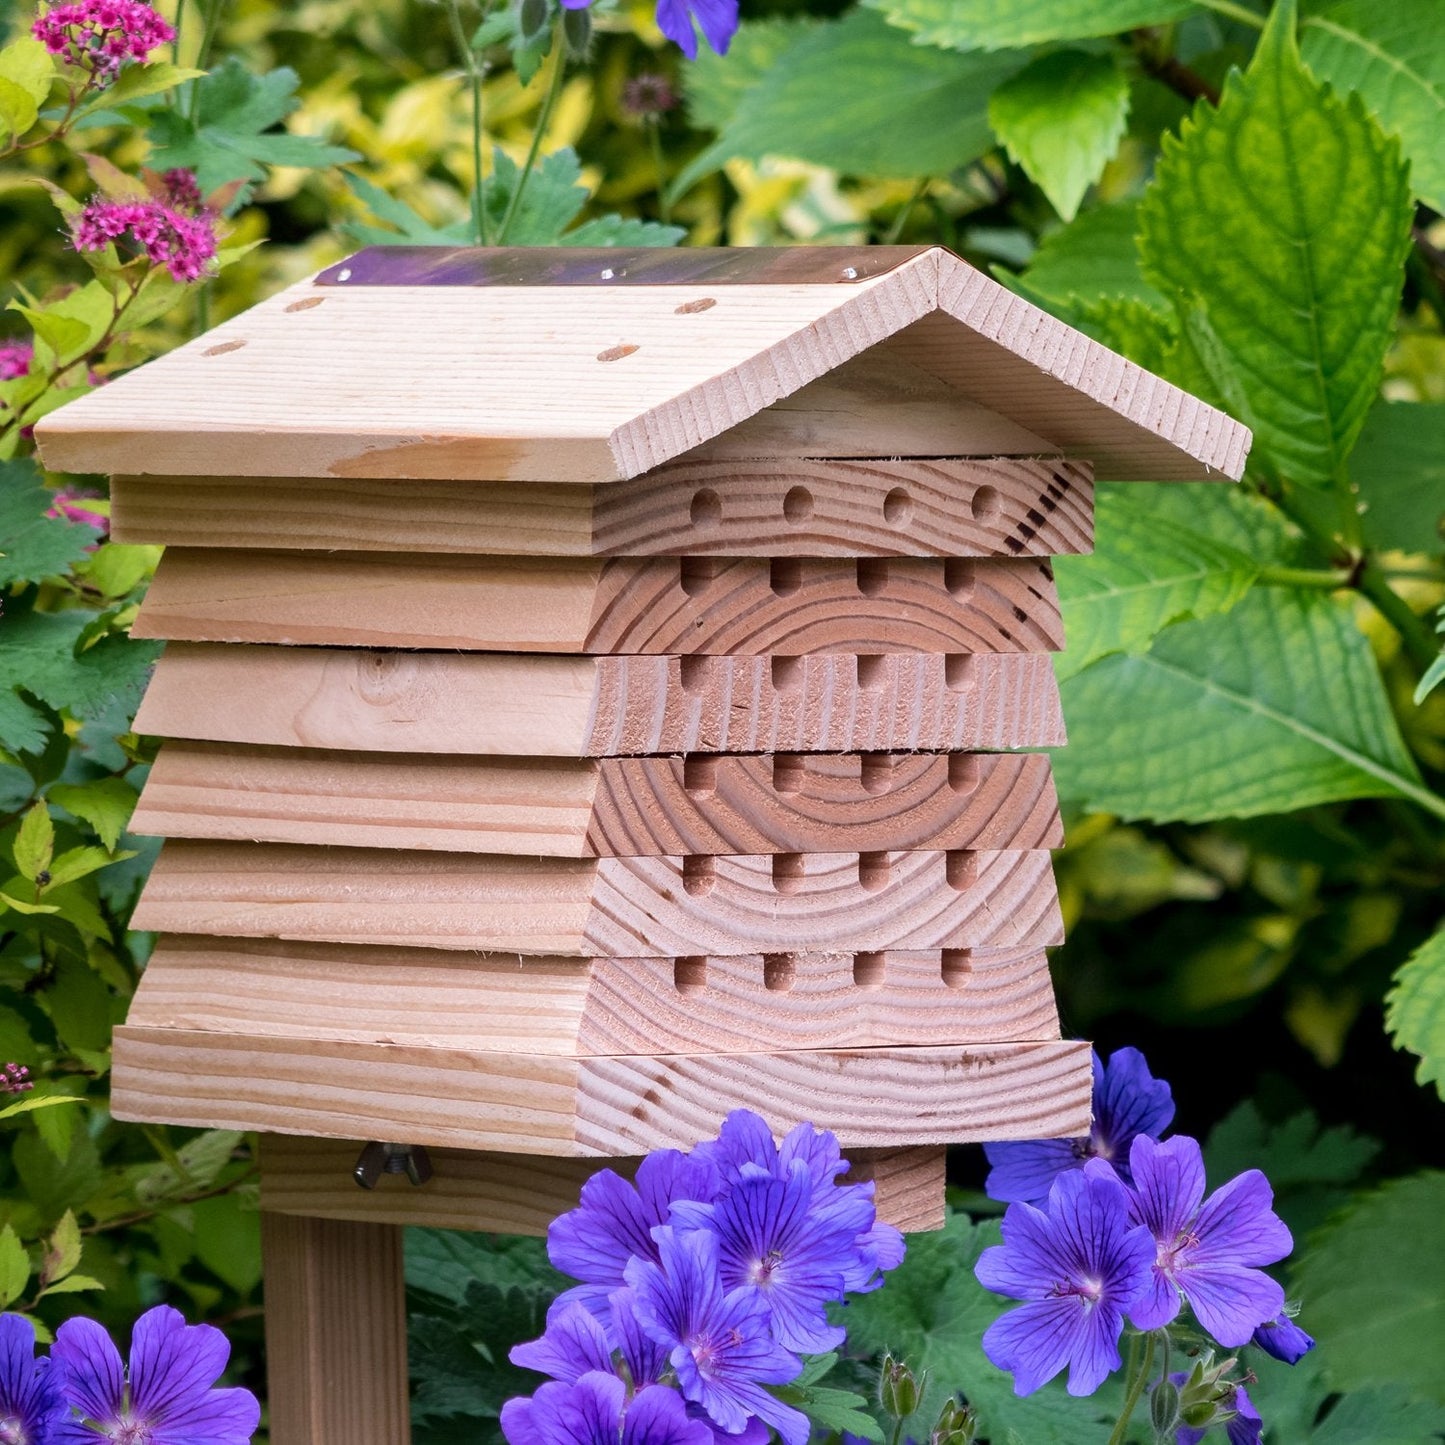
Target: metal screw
608	274
377	1159
344	275
850	273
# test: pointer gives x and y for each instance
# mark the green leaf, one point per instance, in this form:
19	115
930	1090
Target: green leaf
1146	573
62	1254
407	225
1399	467
443	1262
1274	706
14	1267
1093	257
201	1162
1394	56
832	1409
1281	222
77	862
1415	1010
106	804
71	1284
1374	1285
35	842
228	1240
1062	118
26	72
35	546
989	25
54	1185
20	906
1433	676
714	85
138	81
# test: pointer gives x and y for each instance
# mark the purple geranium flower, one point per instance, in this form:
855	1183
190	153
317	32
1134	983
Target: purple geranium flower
1080	1267
31	1406
595	1411
168	1400
1242	1423
1128	1101
577	1343
1283	1339
1208	1250
721	1345
718	20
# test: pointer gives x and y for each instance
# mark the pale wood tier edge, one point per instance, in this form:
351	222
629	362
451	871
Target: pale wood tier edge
607	807
748	507
496	1003
522	1194
537	1104
548	706
611	907
689	605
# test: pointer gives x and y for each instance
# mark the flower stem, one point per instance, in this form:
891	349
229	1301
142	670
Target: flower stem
474	76
654	136
1138	1378
549	101
1326	579
210	25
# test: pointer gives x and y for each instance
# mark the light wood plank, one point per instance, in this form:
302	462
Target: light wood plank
533	1104
491	1003
610	807
600	707
908	1184
611	907
746	606
336	1364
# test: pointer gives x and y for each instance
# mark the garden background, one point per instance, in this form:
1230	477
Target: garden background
1255	786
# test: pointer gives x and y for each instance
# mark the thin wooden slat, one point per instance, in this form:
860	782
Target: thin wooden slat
610	807
745	606
336	1365
492	1003
535	1104
600	707
523	1194
611	907
751	507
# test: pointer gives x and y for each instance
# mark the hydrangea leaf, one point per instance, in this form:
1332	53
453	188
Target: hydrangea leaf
1145	573
1062	118
1281	221
988	25
1092	258
33	545
714	85
1415	1010
1399	467
1376	1298
1394	56
1273	706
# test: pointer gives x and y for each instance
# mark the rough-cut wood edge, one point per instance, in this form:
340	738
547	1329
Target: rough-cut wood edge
871	1098
610	807
522	1194
336	1357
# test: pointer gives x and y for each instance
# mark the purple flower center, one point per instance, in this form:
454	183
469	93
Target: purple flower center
131	1432
12	1431
762	1270
1091	1291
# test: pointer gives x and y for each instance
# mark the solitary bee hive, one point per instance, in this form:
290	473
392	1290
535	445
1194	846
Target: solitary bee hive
594	701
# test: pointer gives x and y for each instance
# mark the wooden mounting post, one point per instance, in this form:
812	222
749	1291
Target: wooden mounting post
335	1332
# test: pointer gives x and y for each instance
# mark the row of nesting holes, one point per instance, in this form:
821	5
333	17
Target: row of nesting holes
986	505
780	971
875	872
787	672
875	773
785	575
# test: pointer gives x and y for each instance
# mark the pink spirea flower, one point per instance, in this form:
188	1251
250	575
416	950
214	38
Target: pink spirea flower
15	359
14	1079
184	245
76	506
99	36
181	191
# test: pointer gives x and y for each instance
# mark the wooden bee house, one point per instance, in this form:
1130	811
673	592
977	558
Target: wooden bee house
599	695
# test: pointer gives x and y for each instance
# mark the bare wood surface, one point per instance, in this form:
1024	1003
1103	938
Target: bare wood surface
524	1103
611	907
751	507
607	707
431	998
656	605
609	807
335	1332
521	1193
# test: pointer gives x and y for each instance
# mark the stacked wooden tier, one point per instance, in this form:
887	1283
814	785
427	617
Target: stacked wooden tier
563	852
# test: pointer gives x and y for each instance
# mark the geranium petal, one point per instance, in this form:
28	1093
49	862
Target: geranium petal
1168	1184
574	1343
1238	1223
94	1375
1096	1350
172	1364
658	1416
1035	1341
220	1417
674	19
1159	1303
1128	1101
1024	1172
1230	1301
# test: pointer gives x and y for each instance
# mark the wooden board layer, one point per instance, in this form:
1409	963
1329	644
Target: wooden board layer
533	1104
609	807
522	1193
611	907
740	606
436	702
773	507
488	1003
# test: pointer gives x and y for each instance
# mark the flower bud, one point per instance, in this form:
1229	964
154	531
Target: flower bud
534	17
577	31
899	1389
1164	1407
1199	1415
956	1426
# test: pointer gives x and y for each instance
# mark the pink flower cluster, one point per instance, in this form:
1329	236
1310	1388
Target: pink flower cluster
184	244
15	359
75	506
99	36
14	1079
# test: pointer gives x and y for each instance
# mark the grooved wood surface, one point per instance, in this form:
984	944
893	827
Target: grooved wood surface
758	507
600	707
538	1104
609	807
522	1194
656	605
612	907
491	1003
336	1366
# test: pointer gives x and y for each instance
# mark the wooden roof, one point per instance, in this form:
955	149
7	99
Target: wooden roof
574	365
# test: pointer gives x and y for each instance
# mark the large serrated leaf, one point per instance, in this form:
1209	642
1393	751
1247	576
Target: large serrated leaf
990	25
1415	1013
715	84
1399	467
1394	56
1274	706
32	544
1093	258
1281	221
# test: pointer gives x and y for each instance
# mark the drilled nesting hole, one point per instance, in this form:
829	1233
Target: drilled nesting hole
787	774
699	776
958	671
868	970
874	871
787	872
964	772
986	504
697	574
956	967
875	772
689	975
959	576
798	505
872	672
706	509
780	972
787	673
785	575
699	874
693	673
897	507
872	575
961	869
